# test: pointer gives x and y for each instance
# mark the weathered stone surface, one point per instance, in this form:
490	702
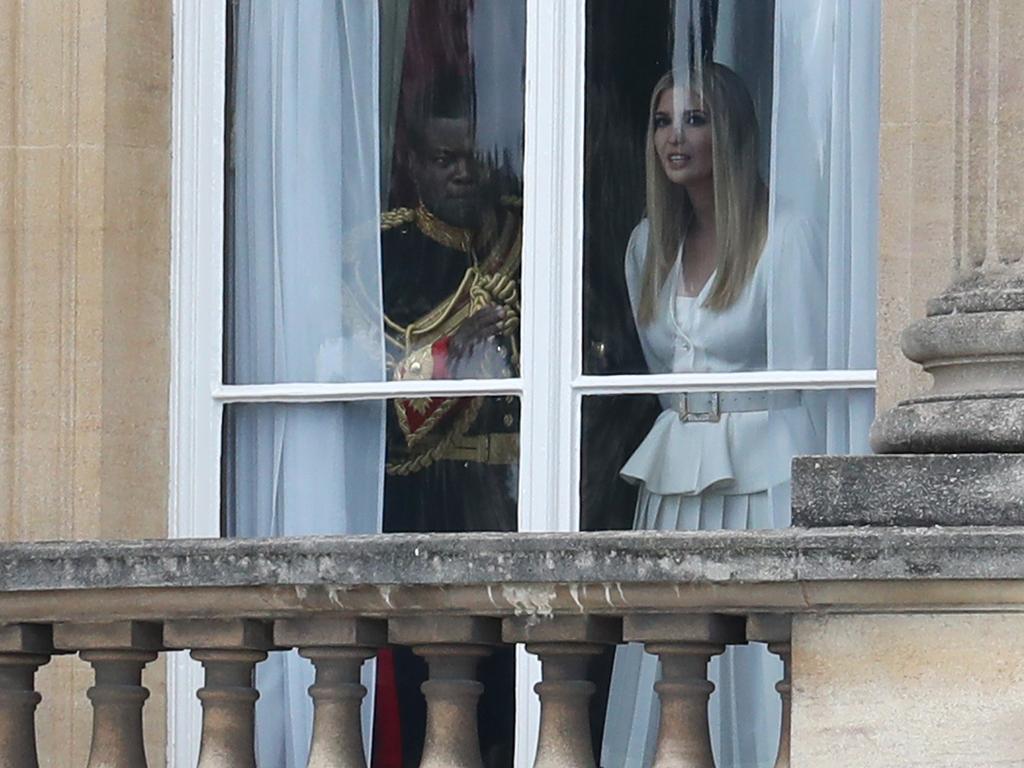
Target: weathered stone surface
973	422
330	632
562	629
684	628
108	635
500	560
909	490
219	633
430	630
914	691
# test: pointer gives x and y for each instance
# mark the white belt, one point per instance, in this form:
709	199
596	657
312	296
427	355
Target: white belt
709	406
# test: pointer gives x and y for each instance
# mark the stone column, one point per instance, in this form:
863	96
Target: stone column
972	340
337	646
23	649
229	650
453	647
117	651
777	630
564	644
684	644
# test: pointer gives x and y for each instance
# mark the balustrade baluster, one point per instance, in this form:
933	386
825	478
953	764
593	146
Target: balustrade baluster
685	645
337	646
117	651
564	645
229	650
777	630
23	649
453	647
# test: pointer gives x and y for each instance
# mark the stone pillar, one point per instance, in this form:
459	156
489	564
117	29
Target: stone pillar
85	188
229	650
117	651
564	644
453	647
23	649
972	340
777	630
337	646
684	644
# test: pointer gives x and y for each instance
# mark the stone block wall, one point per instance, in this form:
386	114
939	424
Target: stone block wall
85	93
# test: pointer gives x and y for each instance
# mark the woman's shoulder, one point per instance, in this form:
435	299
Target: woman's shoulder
636	250
638	237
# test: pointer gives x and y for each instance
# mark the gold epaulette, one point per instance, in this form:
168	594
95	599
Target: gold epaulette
397	217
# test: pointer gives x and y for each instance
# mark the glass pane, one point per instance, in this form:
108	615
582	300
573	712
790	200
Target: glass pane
429	464
374	173
409	465
703	461
730	218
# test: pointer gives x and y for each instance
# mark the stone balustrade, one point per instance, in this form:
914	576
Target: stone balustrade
452	598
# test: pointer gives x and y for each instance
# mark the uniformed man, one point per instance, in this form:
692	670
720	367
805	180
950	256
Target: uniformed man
451	267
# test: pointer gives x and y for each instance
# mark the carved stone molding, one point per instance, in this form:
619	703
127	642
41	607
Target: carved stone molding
972	340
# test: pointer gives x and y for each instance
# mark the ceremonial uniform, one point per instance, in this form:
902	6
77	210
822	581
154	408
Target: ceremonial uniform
452	463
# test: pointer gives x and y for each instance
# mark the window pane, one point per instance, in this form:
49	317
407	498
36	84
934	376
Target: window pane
419	465
374	190
704	461
729	217
408	465
684	452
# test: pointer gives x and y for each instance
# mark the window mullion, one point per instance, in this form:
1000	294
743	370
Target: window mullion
197	227
552	247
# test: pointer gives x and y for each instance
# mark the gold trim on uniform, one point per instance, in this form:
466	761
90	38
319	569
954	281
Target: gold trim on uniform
496	448
490	281
418	365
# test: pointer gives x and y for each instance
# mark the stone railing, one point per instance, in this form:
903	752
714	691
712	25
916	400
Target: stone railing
452	598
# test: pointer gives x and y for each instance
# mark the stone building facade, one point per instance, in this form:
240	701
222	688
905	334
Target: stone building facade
85	177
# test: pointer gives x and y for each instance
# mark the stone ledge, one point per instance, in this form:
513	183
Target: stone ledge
727	558
968	489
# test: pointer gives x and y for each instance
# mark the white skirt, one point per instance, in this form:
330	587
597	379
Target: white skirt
745	710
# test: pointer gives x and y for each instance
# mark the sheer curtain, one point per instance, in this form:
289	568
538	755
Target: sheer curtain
824	193
304	292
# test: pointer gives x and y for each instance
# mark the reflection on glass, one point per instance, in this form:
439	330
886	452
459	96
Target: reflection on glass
694	146
750	197
451	241
374	190
708	461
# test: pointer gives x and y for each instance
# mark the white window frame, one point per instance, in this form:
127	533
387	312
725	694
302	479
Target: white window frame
551	386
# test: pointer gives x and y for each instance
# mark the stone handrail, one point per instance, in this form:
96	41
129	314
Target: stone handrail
451	598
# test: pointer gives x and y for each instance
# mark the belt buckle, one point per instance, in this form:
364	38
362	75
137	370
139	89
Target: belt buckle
711	416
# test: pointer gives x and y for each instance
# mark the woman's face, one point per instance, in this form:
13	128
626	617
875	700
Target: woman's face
683	139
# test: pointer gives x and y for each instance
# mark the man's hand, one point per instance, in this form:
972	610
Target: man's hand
469	344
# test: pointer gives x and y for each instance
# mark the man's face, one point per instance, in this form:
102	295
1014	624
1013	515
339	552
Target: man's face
449	176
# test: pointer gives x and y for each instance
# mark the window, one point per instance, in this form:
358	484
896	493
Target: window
323	289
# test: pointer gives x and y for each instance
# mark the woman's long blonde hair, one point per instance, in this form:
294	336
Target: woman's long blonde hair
741	198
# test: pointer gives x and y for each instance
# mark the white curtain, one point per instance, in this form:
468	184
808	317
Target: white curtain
304	291
824	193
496	41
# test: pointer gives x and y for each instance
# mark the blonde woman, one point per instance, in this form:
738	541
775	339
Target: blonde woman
698	274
